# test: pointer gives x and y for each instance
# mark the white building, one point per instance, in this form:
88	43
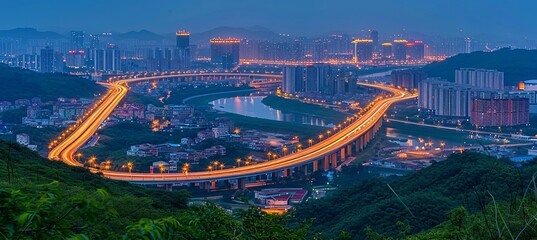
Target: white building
220	131
480	78
23	139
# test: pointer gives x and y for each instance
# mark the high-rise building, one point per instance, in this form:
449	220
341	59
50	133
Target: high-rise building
183	52
408	79
96	60
317	78
387	51
499	112
363	49
75	59
443	98
225	52
374	35
481	78
112	58
467	45
416	50
47	60
94	41
399	50
77	40
293	79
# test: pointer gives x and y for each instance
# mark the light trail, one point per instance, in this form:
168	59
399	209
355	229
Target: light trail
356	127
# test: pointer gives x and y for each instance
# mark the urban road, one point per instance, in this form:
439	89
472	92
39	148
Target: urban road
64	149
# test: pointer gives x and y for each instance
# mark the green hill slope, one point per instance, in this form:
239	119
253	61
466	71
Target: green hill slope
518	65
19	83
429	195
46	199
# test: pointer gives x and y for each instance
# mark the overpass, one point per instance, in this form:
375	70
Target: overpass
352	136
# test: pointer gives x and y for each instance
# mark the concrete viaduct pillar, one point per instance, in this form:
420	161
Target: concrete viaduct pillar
315	166
326	165
334	160
241	183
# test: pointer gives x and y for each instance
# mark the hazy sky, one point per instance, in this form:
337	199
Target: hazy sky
501	18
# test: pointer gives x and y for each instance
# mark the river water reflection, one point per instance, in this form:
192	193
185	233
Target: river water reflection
252	106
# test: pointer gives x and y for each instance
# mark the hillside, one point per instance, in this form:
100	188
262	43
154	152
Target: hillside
461	180
46	199
518	65
19	83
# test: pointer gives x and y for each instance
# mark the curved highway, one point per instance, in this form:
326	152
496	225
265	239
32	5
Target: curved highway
357	126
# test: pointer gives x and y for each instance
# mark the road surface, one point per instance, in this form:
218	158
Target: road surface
355	127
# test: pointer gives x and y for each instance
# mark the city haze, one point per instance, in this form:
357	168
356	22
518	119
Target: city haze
493	19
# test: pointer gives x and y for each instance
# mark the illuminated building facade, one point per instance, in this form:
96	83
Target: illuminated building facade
225	52
500	112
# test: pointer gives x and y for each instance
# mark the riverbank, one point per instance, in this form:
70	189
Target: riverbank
296	106
201	102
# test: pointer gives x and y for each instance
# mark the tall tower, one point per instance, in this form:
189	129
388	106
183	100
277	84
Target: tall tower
77	40
182	54
374	35
47	60
225	52
468	44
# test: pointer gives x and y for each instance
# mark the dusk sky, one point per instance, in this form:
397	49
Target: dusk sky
498	18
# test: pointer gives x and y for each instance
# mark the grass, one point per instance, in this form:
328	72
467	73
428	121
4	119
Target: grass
296	106
178	95
297	129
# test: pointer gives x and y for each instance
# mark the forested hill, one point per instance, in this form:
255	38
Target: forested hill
19	83
426	197
518	64
46	199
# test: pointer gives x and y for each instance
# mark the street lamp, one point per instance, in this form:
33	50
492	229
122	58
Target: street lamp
328	133
161	167
320	137
108	164
129	165
299	147
210	168
238	162
78	155
185	168
221	166
269	154
310	141
91	161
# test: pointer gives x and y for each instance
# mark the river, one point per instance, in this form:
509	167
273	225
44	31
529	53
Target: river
252	106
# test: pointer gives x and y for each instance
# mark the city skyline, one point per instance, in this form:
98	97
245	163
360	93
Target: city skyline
486	19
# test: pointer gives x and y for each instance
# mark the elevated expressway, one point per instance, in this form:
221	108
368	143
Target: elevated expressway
357	131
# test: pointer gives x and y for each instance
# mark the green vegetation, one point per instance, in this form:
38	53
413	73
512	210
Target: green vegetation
296	106
425	199
13	116
300	130
45	199
115	141
133	97
18	83
518	64
178	95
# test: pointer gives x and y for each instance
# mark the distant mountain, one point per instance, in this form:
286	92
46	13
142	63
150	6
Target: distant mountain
252	33
29	33
518	64
144	35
